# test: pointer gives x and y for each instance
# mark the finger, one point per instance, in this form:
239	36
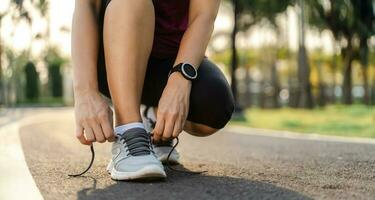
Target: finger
113	137
183	123
89	134
110	116
99	135
80	135
107	130
168	129
177	128
158	130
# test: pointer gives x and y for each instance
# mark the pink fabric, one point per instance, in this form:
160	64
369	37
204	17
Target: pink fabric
172	18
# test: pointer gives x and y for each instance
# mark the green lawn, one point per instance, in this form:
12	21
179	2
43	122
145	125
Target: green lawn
354	121
43	101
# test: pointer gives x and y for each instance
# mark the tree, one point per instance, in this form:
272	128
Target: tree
234	59
43	6
32	81
304	92
14	5
247	14
364	11
55	62
347	20
55	80
16	12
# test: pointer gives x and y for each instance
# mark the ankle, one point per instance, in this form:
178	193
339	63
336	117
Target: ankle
128	118
121	129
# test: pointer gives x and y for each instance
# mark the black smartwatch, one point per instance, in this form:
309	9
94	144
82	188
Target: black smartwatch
186	69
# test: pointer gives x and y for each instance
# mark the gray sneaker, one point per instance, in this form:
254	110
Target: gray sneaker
133	157
162	151
164	148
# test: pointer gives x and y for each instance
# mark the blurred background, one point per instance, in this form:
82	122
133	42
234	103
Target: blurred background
297	65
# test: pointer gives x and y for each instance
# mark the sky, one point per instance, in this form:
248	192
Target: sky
61	12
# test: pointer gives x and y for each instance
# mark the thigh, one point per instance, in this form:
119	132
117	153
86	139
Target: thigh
101	68
211	98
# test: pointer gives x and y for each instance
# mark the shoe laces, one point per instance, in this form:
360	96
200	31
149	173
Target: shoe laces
91	162
141	145
168	164
137	143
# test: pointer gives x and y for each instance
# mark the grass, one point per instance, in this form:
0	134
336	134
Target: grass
340	120
43	101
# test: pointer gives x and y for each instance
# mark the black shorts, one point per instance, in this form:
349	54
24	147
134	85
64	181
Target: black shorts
211	99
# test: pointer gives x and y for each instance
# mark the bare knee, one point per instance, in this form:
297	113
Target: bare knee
126	22
199	130
137	9
132	4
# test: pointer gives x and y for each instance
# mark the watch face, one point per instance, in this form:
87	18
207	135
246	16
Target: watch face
189	71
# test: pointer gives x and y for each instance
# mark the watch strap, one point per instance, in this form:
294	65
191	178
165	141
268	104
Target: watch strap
178	68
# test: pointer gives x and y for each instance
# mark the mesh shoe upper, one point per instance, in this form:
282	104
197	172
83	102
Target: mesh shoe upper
133	150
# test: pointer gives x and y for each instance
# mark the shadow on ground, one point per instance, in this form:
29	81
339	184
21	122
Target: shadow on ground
183	186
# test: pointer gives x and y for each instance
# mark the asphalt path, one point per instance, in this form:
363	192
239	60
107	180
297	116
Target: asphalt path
239	166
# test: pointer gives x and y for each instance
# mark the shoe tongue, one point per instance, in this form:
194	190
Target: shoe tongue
137	141
133	132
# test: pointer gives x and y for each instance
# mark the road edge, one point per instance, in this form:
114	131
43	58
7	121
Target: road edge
16	181
296	136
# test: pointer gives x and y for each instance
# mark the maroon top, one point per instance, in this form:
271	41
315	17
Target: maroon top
172	18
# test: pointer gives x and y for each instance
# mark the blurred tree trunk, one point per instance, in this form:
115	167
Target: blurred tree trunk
363	57
334	81
270	87
305	96
347	82
55	79
32	82
262	95
276	86
247	94
322	98
293	91
234	59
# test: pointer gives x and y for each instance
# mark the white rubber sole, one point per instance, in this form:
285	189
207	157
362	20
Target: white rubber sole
150	172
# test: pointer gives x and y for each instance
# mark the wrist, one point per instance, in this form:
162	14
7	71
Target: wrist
85	85
82	91
178	78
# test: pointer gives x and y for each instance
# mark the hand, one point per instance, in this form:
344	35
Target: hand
173	108
93	116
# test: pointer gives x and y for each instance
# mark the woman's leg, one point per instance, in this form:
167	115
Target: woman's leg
211	99
199	130
128	36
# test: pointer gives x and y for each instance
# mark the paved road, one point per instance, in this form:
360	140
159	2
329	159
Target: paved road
239	166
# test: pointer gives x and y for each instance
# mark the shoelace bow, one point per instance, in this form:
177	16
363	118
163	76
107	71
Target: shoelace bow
140	147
